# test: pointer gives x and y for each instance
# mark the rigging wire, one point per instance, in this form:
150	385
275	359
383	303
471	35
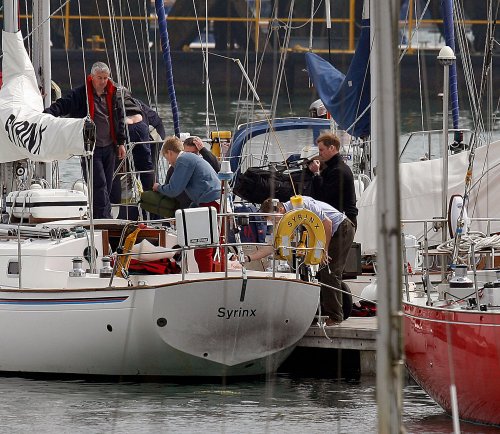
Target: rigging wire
66	43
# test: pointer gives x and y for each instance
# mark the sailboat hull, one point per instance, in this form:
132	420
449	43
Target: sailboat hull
217	326
444	347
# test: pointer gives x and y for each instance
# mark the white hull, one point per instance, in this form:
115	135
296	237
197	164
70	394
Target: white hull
179	329
199	324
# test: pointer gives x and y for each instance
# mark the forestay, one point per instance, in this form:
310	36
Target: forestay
26	132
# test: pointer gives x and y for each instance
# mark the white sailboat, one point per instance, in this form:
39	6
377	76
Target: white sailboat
64	310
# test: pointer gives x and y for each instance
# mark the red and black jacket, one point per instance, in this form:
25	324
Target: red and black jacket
74	105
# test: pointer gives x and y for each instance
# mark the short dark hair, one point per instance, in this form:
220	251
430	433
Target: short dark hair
268	205
189	142
329	139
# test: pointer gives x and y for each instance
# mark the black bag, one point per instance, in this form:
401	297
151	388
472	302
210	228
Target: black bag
157	203
258	183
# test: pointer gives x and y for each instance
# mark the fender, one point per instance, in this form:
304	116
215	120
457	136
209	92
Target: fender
314	241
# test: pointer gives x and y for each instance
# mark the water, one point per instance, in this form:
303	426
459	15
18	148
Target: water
277	404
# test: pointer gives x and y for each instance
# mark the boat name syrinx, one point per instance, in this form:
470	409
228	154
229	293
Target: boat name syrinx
235	313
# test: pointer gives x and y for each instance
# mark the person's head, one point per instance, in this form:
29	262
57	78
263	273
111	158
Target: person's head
100	75
171	149
318	110
328	146
190	146
270	206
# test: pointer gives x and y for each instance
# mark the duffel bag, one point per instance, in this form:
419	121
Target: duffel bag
157	203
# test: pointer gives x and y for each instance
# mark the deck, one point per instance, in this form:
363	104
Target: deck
348	350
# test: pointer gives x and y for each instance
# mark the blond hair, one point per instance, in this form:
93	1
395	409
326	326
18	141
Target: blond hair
329	139
173	144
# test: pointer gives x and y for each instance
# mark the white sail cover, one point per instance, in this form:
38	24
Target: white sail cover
420	190
25	131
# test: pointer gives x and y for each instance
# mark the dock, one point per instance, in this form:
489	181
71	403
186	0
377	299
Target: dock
345	350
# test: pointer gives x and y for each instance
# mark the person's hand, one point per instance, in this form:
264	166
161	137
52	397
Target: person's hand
198	143
122	153
155	186
325	259
314	166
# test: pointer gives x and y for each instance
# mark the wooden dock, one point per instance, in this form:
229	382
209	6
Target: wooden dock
347	349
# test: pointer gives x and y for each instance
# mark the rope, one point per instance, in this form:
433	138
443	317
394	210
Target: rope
463	245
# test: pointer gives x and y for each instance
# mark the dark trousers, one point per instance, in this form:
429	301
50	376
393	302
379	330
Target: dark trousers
143	161
340	244
103	164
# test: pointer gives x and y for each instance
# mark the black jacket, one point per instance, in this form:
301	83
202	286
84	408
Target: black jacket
151	117
335	186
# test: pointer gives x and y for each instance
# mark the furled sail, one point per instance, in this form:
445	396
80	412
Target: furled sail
420	190
25	131
346	97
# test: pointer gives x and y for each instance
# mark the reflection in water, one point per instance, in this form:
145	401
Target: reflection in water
278	404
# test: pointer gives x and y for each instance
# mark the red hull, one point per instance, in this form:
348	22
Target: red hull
441	345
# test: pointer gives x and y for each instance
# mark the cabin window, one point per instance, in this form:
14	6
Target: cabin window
13	268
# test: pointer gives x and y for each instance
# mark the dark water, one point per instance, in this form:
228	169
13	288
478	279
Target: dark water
277	405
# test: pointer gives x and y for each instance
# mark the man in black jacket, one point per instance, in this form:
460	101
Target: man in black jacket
139	117
97	98
335	183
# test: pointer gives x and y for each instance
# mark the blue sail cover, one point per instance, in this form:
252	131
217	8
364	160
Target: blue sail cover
346	97
449	35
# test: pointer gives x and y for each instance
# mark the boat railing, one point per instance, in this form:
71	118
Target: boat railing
427	144
469	248
229	249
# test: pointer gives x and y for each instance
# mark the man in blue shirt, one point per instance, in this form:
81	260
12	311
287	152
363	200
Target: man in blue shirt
339	232
198	179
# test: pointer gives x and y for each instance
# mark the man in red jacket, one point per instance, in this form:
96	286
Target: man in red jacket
98	99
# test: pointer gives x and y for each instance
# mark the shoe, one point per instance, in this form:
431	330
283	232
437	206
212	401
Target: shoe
330	322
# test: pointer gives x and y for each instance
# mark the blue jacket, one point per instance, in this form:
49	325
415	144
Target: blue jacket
196	177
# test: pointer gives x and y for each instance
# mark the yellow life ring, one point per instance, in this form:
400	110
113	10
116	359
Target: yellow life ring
314	242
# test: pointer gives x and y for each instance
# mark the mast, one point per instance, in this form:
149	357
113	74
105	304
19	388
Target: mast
384	17
41	40
42	66
165	48
446	58
10	22
372	144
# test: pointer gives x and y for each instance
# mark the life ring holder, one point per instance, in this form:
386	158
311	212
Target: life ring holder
315	241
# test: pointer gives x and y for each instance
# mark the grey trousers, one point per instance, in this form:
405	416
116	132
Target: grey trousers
340	244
